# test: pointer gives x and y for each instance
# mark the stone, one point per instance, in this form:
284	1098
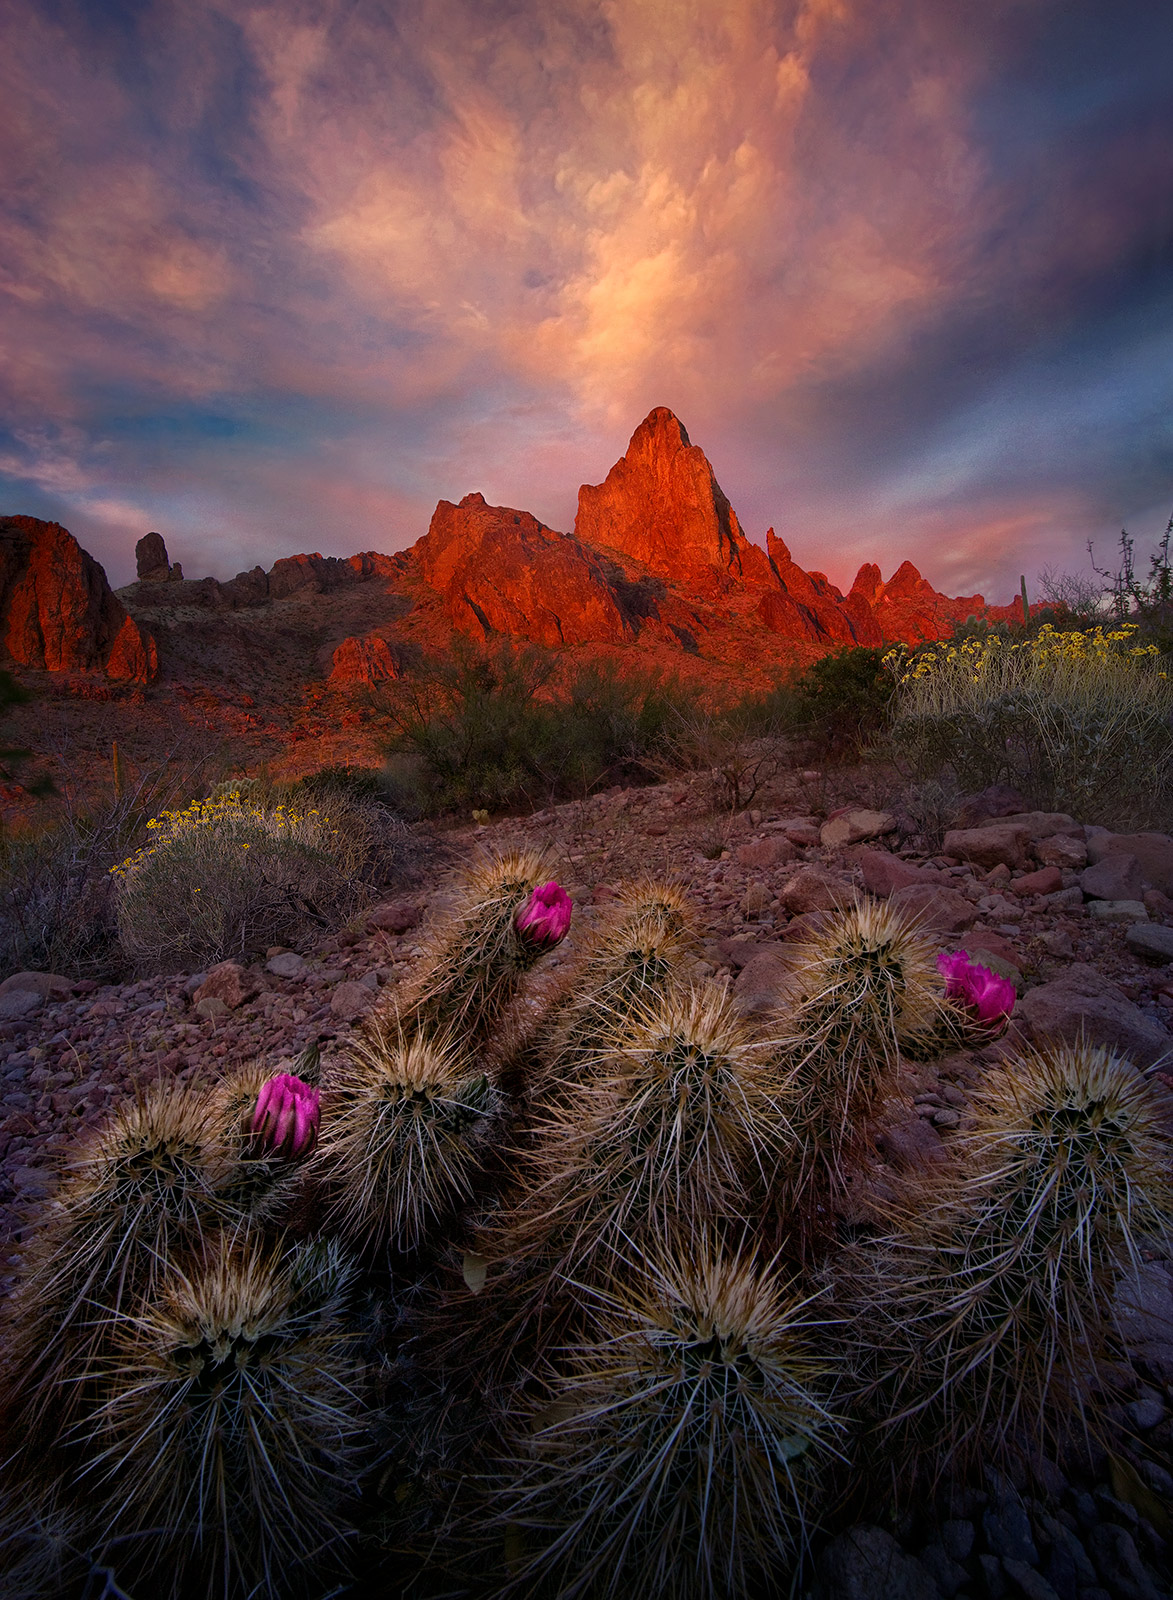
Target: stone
852	827
942	910
992	1575
761	854
351	1001
1117	910
1069	900
230	982
957	1536
395	916
1007	1530
150	559
813	888
1061	850
883	873
57	610
999	843
1058	942
803	834
33	1183
1045	824
212	1008
1144	1313
1154	851
1119	1565
911	1142
286	965
946	1573
766	979
1026	1581
736	953
1048	880
366	661
1147	1410
49	985
1083	1000
982	943
756	899
865	1563
19	1003
999	800
1115	877
1149	940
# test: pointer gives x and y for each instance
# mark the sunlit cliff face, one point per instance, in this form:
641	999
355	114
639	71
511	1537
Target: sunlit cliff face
283	276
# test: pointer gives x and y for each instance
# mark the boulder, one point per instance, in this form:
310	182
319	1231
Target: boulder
1118	910
1061	850
852	827
865	1563
883	874
997	844
755	902
351	1001
395	916
212	1009
1148	940
982	943
1084	1001
943	911
761	854
286	965
766	979
802	833
813	888
57	610
1047	880
1144	1313
49	985
19	1003
227	981
999	800
1113	877
1044	824
1154	851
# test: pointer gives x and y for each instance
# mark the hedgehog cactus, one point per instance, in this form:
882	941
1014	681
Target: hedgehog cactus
680	1451
411	1120
506	918
148	1182
233	1420
247	1110
985	1315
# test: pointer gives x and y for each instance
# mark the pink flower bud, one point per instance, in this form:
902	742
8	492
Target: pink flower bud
989	997
286	1117
545	916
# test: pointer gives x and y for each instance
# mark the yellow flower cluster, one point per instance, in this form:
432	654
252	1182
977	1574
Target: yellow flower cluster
976	658
225	810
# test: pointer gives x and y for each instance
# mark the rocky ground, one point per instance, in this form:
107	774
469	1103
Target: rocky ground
1081	919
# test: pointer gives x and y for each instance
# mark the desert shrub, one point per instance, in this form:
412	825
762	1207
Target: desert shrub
1079	721
498	727
739	756
828	710
226	877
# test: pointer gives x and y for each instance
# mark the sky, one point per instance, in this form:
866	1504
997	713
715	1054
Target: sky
278	277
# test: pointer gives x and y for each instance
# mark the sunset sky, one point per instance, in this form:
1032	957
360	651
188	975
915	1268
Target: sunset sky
278	277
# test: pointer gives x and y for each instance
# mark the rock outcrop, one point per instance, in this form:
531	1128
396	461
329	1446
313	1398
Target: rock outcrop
151	563
358	661
503	571
661	503
57	610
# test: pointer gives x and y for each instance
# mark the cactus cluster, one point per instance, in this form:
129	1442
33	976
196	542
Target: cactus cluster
573	1285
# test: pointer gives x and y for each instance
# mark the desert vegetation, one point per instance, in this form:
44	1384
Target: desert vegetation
562	1288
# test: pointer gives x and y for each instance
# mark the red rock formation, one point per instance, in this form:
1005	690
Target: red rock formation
502	571
57	611
661	504
907	607
822	612
363	661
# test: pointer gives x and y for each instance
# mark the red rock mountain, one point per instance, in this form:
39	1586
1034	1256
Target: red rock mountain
58	612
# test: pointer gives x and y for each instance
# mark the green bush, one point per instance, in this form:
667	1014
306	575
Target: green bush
228	876
496	727
830	709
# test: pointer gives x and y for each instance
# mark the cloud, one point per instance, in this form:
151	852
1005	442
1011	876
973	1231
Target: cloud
296	270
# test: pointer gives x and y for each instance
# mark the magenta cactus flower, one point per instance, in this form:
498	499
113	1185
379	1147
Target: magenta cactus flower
287	1115
545	916
989	997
